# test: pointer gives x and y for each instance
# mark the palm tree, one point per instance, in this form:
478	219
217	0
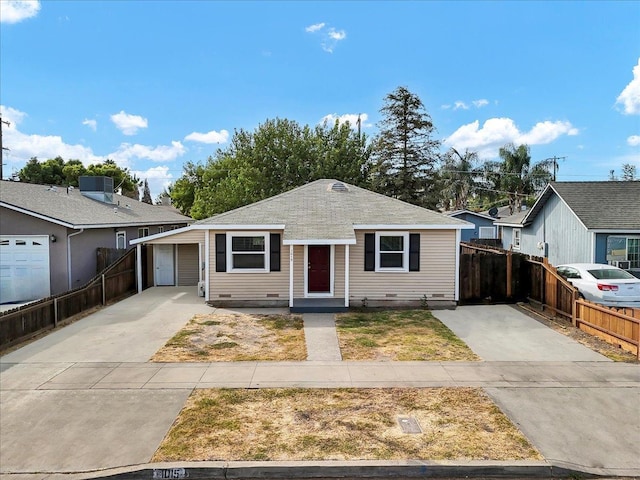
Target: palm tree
458	178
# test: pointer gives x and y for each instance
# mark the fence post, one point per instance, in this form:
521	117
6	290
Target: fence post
55	312
104	291
574	308
509	272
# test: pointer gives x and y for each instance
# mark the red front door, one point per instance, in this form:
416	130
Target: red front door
319	268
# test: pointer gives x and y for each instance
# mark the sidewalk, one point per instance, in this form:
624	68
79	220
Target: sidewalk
65	407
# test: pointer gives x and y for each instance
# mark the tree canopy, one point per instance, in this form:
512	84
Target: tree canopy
57	171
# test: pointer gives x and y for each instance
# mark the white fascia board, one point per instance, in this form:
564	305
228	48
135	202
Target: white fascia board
37	215
506	224
615	230
466	226
155	236
468	212
219	226
319	241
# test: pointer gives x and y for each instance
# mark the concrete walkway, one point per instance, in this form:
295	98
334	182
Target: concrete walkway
86	398
321	337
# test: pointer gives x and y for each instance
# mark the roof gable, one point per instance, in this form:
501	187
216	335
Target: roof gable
70	208
598	205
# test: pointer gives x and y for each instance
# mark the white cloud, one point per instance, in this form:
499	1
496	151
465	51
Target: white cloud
315	27
329	36
633	140
497	132
11	115
14	11
158	178
160	153
92	124
460	105
352	118
630	96
482	102
210	137
127	123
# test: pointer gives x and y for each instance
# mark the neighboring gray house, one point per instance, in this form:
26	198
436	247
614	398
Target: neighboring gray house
484	227
324	246
578	222
49	235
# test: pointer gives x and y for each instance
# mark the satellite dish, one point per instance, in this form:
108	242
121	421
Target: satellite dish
493	212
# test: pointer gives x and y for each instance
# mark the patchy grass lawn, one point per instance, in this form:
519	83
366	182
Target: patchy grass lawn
399	335
342	424
236	337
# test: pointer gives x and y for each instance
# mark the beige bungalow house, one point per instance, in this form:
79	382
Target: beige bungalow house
321	247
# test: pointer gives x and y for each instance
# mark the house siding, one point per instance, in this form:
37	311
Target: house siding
467	235
436	278
226	286
188	274
192	236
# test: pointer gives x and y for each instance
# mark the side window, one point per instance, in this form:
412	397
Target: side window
516	239
121	240
392	251
160	229
143	232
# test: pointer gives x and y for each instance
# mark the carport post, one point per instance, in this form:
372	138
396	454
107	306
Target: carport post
55	312
139	267
104	291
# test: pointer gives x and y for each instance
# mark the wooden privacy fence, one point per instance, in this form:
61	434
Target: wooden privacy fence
493	274
23	322
106	257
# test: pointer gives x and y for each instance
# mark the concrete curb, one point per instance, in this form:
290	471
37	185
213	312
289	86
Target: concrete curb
330	469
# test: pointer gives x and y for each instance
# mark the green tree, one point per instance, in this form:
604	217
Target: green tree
405	154
146	193
515	177
629	172
278	156
457	179
183	190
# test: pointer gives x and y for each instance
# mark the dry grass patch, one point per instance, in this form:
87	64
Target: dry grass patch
236	337
342	424
399	335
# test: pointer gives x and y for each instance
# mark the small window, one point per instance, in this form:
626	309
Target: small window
160	229
516	239
121	240
248	252
487	232
392	251
175	227
143	232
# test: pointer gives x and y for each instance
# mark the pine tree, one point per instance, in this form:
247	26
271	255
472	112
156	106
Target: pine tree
404	151
146	193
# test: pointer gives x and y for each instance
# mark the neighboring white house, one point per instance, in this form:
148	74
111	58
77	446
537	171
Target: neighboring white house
324	246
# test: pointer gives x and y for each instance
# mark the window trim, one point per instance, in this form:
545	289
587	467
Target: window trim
161	229
405	251
142	229
266	252
516	246
123	234
486	228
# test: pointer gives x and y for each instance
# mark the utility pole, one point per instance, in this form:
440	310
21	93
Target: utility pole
2	149
555	165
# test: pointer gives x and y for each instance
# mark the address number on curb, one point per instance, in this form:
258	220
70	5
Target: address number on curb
170	473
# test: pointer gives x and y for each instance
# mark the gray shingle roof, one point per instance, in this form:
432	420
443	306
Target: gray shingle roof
71	207
315	211
598	205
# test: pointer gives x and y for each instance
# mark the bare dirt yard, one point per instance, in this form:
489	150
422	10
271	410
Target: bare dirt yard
236	337
398	335
342	424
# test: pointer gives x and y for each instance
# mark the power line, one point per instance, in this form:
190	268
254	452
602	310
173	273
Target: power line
2	149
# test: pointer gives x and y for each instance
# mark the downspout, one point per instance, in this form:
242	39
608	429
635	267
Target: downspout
69	254
457	267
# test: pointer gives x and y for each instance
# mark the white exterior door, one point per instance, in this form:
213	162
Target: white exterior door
24	268
164	266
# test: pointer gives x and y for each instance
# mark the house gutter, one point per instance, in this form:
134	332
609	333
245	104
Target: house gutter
69	254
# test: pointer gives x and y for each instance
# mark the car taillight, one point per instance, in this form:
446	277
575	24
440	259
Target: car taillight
607	288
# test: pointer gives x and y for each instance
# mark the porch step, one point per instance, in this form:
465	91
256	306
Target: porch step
318	305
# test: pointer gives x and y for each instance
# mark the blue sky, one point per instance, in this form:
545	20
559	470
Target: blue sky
153	84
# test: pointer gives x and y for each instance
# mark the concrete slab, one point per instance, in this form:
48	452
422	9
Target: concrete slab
29	376
591	429
321	337
66	431
502	333
131	330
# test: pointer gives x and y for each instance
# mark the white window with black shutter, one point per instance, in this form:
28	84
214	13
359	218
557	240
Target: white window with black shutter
247	252
392	252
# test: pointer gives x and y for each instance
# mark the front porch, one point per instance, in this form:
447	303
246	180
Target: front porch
318	305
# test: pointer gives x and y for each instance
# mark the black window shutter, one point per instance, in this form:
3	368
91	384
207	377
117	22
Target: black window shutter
221	252
274	246
414	252
369	252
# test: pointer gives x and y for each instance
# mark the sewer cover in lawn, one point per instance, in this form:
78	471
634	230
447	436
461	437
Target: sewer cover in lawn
409	425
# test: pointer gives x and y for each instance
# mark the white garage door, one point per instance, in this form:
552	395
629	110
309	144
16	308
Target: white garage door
24	268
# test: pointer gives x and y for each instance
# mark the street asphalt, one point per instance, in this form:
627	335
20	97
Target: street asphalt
84	401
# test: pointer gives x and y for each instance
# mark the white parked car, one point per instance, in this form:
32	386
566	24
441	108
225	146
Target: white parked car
603	284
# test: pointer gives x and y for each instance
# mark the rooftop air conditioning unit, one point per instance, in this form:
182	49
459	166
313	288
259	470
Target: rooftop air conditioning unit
201	289
624	264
